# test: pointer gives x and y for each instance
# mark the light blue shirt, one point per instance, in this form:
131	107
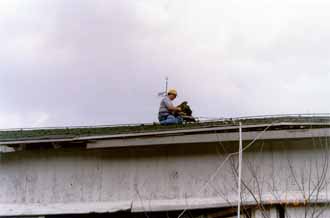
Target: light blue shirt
164	105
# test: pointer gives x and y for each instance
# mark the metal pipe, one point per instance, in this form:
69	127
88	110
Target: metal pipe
240	154
166	86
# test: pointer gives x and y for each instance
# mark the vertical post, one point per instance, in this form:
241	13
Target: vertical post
166	85
240	153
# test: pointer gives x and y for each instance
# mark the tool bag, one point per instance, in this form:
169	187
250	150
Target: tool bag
186	112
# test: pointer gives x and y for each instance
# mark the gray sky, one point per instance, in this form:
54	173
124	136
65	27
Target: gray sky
69	62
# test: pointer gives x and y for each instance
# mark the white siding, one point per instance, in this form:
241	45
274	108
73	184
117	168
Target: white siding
173	177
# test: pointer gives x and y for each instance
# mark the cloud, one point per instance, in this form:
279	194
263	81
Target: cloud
19	120
103	62
41	120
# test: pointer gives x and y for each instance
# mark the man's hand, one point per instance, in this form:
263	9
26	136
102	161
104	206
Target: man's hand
174	109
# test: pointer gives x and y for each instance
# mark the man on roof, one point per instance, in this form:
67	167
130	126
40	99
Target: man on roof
168	113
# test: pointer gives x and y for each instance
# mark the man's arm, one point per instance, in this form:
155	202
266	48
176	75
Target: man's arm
171	107
174	109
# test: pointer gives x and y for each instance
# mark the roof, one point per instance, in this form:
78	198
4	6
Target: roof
100	132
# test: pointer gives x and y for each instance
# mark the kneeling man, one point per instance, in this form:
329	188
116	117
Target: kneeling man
167	111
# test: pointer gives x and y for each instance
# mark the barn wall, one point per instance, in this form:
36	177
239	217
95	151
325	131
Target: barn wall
156	178
308	211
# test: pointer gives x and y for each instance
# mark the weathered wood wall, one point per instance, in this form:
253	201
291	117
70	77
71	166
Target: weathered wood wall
159	178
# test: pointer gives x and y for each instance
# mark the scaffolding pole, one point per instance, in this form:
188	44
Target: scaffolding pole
240	153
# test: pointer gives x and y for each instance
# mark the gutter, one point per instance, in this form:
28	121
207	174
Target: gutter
246	128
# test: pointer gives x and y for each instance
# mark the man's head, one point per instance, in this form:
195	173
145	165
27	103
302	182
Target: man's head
172	93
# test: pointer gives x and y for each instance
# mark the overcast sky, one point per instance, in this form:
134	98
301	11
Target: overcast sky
69	62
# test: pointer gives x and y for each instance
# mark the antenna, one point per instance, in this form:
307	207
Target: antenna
162	94
166	86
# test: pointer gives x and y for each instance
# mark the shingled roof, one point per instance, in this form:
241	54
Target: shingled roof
306	121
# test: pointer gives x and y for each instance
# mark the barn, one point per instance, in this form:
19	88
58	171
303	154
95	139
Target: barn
148	170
